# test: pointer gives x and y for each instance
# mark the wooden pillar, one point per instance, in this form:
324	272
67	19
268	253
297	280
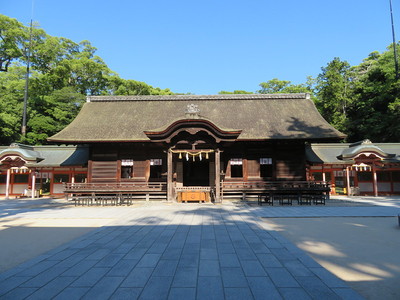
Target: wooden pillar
170	188
72	183
8	183
217	176
33	178
348	181
89	171
245	170
375	181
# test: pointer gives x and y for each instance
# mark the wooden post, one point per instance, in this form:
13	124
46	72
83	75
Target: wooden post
375	183
8	183
348	181
33	177
170	196
245	169
89	174
217	176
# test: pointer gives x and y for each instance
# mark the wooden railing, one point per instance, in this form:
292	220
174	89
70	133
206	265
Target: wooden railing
275	185
112	187
244	189
228	189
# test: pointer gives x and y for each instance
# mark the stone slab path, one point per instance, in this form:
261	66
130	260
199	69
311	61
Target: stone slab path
324	211
174	251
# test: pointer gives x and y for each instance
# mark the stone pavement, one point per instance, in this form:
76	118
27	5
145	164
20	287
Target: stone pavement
340	206
174	251
324	211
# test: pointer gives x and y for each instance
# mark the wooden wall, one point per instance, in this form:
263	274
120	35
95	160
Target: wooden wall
105	161
288	160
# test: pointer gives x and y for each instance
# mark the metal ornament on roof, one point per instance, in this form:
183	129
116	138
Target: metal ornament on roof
192	109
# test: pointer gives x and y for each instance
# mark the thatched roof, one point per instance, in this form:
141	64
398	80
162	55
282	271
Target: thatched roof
256	116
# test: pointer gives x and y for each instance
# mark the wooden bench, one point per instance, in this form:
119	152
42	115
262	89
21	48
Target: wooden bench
266	198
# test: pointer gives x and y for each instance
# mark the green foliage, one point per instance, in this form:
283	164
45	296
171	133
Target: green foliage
362	101
234	92
12	35
11	92
334	92
275	85
119	86
375	110
63	73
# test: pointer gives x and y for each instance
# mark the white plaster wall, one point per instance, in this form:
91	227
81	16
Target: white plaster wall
366	186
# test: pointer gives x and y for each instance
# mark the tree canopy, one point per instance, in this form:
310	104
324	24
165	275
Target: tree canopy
362	101
63	73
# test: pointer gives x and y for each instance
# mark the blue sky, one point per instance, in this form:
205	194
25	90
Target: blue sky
203	47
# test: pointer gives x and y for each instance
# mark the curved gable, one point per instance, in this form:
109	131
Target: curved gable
19	154
192	127
364	150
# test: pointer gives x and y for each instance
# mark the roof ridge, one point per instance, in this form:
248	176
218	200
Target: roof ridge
196	97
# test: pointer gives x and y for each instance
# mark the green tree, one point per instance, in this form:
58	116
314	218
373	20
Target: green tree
63	72
234	92
275	85
334	92
17	41
51	113
122	87
375	113
11	92
12	36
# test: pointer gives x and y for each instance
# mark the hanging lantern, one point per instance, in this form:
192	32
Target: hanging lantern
206	155
187	156
200	157
193	157
180	155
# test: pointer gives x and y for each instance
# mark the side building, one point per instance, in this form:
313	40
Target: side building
361	168
41	170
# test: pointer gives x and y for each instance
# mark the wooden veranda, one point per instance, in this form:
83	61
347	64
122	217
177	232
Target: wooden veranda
125	193
304	192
